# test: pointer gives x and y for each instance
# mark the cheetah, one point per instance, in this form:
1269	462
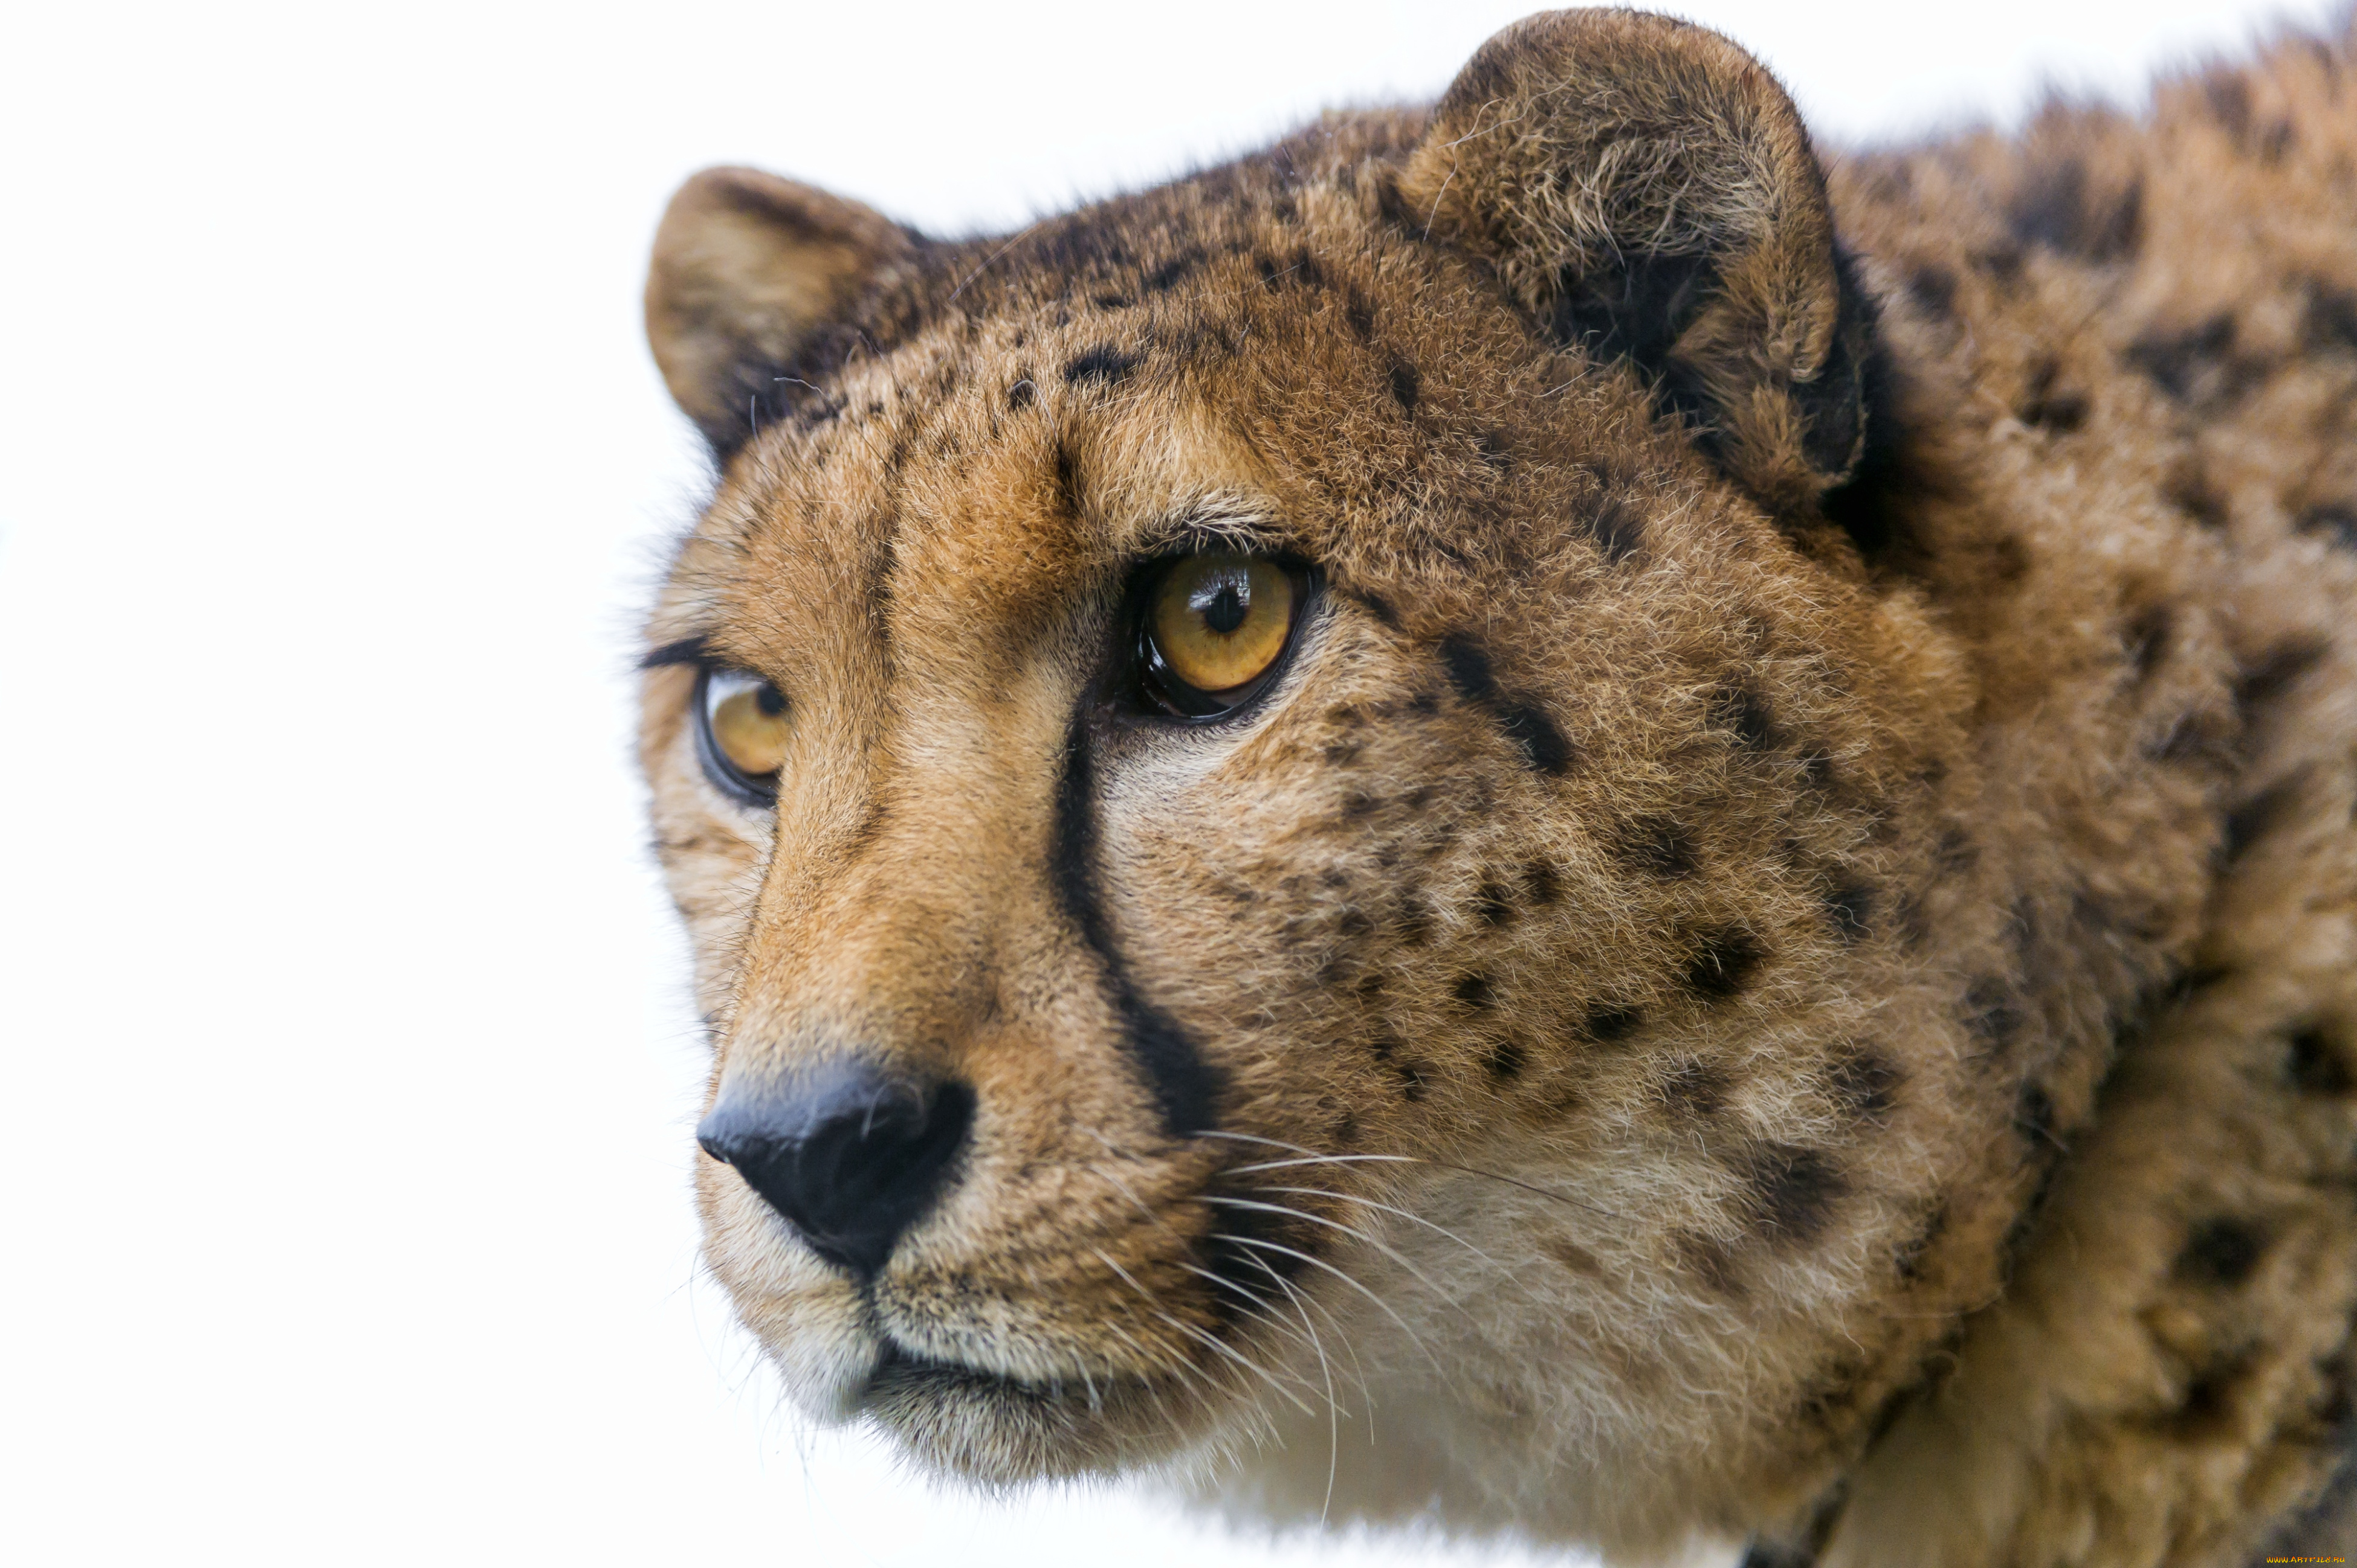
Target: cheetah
1546	816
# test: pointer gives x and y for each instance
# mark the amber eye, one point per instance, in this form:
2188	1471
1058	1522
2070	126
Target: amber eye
743	726
1215	627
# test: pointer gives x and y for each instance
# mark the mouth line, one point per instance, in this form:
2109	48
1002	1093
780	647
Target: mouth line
901	1373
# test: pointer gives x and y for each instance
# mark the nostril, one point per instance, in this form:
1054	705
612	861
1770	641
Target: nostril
850	1155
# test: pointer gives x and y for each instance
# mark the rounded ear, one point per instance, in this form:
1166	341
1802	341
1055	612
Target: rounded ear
1647	190
748	269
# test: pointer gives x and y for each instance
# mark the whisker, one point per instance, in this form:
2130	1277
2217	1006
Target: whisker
1324	1160
1341	1331
1390	1253
1320	1264
1166	1360
1334	1410
1266	1308
1312	1157
1152	1386
1387	1209
1212	1340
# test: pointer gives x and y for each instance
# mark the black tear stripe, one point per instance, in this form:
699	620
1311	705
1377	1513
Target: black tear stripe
1185	1086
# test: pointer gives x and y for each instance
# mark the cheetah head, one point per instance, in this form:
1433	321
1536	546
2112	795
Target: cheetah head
1295	808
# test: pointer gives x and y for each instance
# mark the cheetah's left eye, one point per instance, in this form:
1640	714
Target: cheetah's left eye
742	728
1215	628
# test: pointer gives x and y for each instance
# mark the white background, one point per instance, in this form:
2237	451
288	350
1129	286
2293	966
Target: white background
345	1065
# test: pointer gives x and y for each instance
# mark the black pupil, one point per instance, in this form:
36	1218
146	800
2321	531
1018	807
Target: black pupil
770	700
1226	611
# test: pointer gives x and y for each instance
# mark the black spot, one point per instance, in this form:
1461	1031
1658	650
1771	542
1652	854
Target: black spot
2175	360
1618	528
1545	887
1932	287
1659	845
1740	709
1384	1048
2221	1251
2145	638
2335	520
1412	923
1535	733
1380	609
1358	316
2254	818
1103	363
2061	409
2230	101
1610	1022
1267	269
2331	319
2208	1406
1112	302
1021	394
1792	1190
1468	667
2316	1066
1171	272
1695	1087
1504	1061
2003	264
1411	1077
1864	1083
1490	447
2186	487
2267	678
1849	907
1493	906
1473	990
1723	962
2033	1116
1405	384
2056	209
1991	1012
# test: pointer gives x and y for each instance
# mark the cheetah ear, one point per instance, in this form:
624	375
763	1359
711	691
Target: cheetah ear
748	270
1646	189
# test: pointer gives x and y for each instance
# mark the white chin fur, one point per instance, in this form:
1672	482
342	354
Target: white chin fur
825	1374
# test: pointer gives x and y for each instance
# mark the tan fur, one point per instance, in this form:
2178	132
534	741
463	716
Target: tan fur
1793	905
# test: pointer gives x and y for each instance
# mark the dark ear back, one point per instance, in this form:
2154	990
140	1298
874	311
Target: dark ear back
747	268
1646	188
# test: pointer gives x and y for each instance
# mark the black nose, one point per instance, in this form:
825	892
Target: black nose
851	1156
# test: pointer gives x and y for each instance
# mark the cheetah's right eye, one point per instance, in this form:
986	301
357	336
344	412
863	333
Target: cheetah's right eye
742	729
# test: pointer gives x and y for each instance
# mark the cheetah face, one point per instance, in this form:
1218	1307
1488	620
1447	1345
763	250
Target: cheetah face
1267	827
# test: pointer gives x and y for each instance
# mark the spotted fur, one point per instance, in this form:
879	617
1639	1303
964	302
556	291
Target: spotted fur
1776	966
